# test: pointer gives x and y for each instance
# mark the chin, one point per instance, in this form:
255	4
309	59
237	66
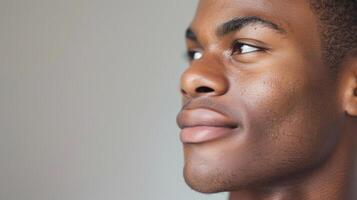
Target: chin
202	182
211	168
208	177
205	180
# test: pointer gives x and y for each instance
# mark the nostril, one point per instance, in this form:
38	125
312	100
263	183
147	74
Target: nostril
204	89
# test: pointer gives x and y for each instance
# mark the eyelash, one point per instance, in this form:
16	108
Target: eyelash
236	47
240	45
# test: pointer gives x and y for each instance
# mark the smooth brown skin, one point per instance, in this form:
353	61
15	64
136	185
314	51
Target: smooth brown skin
297	120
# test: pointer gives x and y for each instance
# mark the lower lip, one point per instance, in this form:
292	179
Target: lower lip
199	134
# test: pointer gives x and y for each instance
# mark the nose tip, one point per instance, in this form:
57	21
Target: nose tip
195	83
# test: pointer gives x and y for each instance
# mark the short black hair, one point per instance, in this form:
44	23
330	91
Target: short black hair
338	28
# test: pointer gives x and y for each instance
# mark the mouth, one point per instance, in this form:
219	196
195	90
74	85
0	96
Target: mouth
203	125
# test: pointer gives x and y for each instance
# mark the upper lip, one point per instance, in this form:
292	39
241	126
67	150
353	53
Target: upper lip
203	117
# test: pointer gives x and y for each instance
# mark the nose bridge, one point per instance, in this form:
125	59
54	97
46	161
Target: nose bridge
205	77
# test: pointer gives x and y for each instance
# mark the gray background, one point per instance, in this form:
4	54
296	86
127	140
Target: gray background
89	95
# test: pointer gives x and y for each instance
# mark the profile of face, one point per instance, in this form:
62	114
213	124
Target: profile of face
259	103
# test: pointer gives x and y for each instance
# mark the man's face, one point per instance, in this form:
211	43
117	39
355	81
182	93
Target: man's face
259	105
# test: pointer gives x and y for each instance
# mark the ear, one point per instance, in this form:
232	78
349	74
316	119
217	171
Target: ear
350	87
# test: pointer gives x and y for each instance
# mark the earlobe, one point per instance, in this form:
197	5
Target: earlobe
350	92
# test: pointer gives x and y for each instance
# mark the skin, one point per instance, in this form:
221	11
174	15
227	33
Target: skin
297	120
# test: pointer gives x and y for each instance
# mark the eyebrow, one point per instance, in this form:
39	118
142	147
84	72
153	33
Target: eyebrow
237	24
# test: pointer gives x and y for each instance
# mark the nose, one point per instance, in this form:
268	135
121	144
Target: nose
202	79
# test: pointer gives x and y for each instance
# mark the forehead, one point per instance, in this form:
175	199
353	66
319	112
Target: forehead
294	16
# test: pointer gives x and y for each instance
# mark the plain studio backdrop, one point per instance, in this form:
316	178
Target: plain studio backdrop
89	96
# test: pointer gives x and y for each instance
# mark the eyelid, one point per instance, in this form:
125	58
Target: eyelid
242	43
189	55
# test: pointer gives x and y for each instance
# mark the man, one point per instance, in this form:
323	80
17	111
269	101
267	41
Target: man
270	99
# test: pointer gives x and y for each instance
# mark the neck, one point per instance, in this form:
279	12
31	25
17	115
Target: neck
336	179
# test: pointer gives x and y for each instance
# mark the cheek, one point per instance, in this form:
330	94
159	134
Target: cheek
270	98
287	119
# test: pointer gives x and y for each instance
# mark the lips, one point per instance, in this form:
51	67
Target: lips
203	125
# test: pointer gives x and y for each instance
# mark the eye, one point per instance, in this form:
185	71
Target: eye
242	48
194	55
